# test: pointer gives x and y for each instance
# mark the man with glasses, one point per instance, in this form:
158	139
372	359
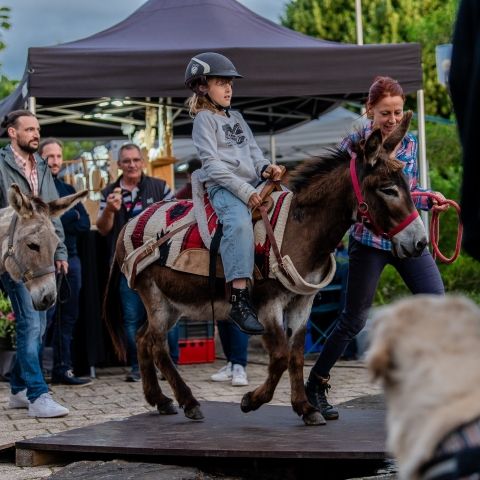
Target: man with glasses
122	200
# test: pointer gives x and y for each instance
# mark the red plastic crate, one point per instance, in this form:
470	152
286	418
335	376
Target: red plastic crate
199	350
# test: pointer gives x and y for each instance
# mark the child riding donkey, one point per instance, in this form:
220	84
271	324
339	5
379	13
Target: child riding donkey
232	166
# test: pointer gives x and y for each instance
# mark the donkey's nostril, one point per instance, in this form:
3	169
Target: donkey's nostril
420	245
45	302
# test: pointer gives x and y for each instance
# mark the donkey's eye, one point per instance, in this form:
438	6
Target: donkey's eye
390	191
33	246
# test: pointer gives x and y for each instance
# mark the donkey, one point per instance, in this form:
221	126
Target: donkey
324	205
28	242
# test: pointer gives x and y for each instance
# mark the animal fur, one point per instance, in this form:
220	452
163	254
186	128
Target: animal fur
426	352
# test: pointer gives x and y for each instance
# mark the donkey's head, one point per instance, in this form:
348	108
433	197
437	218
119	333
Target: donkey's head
386	192
29	241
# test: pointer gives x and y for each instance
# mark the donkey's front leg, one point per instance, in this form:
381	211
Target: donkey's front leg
296	327
276	345
300	403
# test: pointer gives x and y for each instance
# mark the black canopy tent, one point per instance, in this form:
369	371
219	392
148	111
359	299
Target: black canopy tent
289	78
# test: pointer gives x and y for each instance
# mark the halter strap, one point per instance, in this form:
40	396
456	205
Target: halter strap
363	211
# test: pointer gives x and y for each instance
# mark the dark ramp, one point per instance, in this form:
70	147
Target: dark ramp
272	432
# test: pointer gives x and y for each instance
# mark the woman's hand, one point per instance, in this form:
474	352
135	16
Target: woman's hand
438	204
273	172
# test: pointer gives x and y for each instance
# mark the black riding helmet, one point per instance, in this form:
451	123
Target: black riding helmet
208	64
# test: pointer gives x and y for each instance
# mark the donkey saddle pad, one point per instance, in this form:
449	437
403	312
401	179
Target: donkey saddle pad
185	251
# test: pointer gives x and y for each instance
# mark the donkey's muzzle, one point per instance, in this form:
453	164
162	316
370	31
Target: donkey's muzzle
45	302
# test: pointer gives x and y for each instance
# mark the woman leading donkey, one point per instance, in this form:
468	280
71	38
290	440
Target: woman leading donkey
369	251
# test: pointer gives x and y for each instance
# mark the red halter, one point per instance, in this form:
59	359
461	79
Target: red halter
364	214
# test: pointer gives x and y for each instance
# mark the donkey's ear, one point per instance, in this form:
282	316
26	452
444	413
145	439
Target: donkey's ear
20	202
372	147
61	205
397	135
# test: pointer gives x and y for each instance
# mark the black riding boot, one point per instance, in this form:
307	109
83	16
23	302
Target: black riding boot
316	389
243	314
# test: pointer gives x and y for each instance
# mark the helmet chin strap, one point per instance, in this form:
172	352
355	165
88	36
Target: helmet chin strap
218	106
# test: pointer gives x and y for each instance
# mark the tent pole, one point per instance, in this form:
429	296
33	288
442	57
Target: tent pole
273	153
422	150
358	21
32	104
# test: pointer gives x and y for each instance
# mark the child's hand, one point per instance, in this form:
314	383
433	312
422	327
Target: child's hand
254	201
273	172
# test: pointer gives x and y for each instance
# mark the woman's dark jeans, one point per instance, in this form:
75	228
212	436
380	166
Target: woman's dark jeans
366	264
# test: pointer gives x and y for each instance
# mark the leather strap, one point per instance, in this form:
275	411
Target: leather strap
364	214
153	246
212	268
273	242
267	189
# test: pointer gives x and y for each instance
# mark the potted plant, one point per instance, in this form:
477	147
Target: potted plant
7	324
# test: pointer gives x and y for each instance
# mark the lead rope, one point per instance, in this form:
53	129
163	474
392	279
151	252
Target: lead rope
435	226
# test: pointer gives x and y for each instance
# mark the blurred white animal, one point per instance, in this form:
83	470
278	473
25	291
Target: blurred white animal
426	351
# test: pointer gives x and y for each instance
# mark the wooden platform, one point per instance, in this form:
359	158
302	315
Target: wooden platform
273	432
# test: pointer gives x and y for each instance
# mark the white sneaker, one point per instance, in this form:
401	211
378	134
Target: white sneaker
239	376
46	407
224	374
19	400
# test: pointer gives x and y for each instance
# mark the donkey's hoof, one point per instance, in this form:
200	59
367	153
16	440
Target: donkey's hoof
246	403
194	413
313	418
167	409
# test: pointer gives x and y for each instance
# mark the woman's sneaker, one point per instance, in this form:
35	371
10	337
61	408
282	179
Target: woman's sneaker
224	374
19	400
239	376
46	407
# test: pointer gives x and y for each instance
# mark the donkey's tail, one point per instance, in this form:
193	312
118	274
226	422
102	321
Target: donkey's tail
112	312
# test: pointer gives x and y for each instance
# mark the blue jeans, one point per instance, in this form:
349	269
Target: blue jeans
237	244
30	327
366	264
134	316
234	342
63	317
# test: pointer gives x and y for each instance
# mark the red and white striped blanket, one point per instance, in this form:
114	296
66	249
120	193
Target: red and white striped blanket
185	250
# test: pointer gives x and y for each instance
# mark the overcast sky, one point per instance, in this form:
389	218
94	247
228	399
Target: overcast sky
38	23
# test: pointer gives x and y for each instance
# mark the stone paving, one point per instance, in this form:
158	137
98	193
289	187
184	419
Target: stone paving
110	397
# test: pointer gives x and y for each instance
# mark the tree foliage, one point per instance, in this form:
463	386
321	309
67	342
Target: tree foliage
428	22
6	85
4	24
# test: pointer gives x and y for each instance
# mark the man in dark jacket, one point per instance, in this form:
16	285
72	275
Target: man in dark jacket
20	164
122	200
65	314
